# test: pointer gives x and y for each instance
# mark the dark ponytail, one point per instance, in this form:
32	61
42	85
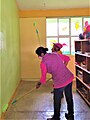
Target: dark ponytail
40	50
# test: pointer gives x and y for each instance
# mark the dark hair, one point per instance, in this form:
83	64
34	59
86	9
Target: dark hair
40	50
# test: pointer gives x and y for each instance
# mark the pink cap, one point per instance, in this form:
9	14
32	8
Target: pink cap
59	45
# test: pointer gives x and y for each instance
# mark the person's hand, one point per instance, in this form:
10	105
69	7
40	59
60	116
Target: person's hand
38	85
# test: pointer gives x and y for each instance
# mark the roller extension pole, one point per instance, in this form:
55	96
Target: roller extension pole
14	101
23	95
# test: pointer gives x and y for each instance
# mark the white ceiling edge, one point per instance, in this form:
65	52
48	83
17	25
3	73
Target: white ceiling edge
52	4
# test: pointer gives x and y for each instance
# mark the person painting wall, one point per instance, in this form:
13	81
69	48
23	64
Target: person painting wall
62	80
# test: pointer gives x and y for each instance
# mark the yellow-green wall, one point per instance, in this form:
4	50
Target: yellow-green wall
10	52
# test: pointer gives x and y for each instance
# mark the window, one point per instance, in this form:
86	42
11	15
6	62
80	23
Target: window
50	42
76	26
52	27
64	30
66	48
63	26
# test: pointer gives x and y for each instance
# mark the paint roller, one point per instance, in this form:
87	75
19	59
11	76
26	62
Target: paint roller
14	101
34	24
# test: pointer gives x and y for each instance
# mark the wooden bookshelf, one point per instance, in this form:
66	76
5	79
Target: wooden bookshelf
82	67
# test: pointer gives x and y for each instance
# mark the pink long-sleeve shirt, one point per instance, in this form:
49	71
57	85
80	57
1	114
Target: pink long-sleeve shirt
53	63
64	58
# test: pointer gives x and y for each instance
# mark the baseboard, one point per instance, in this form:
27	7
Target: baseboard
3	114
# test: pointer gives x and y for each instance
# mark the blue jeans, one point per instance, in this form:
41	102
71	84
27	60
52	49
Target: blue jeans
57	100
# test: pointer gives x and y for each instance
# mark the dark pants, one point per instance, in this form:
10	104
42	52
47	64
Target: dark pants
57	100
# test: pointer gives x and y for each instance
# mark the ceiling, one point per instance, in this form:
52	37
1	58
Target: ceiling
52	4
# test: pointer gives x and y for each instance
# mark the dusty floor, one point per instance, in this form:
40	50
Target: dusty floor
38	105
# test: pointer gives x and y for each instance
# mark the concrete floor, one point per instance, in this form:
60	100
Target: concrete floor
38	105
